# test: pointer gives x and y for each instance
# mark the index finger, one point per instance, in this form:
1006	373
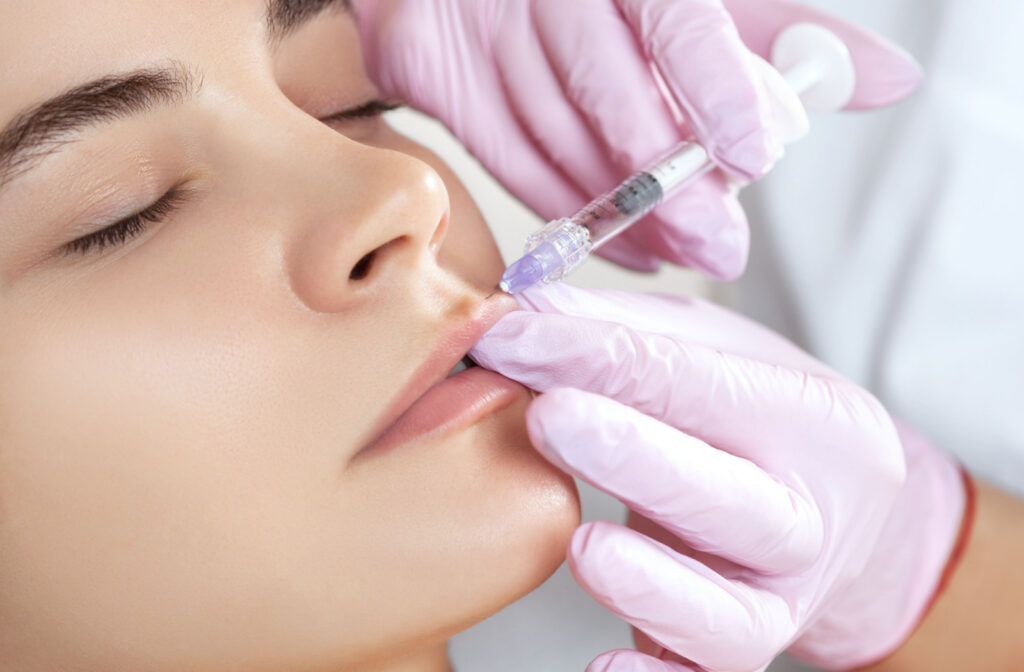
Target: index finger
690	319
708	71
715	502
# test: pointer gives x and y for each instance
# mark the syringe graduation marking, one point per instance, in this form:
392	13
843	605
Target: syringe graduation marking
640	194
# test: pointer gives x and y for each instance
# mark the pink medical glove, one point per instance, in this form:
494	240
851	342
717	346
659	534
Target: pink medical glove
778	505
558	100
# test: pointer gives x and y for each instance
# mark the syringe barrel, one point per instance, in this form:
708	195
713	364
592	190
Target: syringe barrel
611	213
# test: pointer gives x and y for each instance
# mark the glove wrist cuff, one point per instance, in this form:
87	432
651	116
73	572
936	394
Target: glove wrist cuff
914	558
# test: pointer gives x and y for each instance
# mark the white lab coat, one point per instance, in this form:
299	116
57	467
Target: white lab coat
891	245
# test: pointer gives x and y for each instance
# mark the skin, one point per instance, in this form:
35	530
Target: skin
179	415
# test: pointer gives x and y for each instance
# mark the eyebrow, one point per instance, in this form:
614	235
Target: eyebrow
286	16
44	129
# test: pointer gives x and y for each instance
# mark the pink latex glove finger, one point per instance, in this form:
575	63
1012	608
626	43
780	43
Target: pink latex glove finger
709	374
731	623
708	72
577	124
557	100
556	131
440	59
693	320
629	254
625	660
716	238
675	480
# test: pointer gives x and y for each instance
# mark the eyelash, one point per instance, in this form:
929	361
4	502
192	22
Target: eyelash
134	225
129	227
374	108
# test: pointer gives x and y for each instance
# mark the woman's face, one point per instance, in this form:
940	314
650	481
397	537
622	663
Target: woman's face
191	401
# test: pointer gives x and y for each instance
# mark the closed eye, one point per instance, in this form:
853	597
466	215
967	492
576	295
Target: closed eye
374	108
128	228
134	225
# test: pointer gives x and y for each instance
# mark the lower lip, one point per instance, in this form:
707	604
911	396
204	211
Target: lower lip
453	404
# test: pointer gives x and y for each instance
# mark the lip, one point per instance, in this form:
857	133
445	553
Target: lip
432	403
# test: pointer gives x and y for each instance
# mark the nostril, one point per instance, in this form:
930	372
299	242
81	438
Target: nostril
362	269
373	260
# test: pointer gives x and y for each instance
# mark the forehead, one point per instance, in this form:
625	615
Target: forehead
48	45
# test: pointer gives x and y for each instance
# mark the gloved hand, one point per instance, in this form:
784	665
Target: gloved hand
558	100
777	513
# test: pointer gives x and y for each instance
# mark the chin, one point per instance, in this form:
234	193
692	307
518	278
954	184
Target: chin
528	513
464	525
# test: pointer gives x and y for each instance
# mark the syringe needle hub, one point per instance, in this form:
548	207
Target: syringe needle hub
552	253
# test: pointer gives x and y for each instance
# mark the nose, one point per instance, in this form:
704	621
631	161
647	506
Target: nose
377	218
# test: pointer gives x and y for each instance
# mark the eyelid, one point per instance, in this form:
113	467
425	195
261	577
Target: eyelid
127	228
374	108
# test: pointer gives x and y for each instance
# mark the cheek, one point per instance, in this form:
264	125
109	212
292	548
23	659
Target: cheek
166	467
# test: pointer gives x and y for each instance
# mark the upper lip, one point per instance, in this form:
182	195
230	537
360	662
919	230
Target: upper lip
451	348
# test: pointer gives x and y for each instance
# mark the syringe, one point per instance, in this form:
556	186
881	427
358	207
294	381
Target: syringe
815	64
